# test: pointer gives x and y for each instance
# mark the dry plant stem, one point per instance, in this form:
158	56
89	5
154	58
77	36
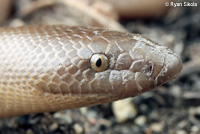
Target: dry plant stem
142	9
191	67
36	5
5	9
100	19
191	95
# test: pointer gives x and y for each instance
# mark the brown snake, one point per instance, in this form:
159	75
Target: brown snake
49	68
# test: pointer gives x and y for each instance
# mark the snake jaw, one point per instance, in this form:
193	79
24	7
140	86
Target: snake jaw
144	67
171	69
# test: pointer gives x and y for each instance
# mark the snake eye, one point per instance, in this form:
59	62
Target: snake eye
99	62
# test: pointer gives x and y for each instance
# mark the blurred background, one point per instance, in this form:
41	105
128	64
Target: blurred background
173	108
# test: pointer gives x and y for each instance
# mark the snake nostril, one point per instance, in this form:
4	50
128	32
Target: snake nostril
148	69
143	66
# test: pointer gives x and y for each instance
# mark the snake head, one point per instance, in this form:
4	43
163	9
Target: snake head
98	65
132	64
49	68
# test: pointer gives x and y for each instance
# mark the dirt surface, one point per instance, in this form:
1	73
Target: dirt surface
173	108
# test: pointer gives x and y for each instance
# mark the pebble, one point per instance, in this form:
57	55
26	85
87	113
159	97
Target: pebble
124	110
195	128
84	110
105	122
198	110
140	120
53	126
92	116
176	91
29	131
157	127
181	132
194	110
143	108
63	118
78	128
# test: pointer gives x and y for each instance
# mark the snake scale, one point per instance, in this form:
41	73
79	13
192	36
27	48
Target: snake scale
49	68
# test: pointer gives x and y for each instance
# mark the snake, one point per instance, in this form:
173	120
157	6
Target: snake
49	68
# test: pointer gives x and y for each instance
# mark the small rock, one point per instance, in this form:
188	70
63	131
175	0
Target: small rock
92	116
84	110
195	129
198	110
105	122
181	132
157	127
78	129
17	23
194	110
63	118
53	126
29	131
124	110
140	120
143	108
176	91
92	120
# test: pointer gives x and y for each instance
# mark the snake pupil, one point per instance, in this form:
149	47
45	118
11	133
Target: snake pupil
98	62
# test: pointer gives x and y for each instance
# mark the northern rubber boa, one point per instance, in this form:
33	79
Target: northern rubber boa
50	68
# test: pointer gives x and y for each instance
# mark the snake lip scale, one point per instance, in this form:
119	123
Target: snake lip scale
49	68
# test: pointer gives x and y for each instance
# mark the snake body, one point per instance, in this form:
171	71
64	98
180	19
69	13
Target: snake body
48	68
